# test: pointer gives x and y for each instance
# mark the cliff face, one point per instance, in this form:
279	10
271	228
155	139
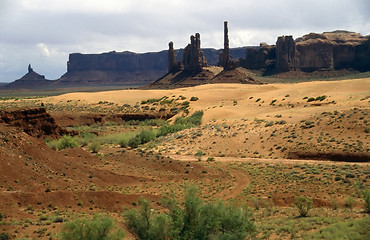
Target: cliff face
312	52
332	50
114	61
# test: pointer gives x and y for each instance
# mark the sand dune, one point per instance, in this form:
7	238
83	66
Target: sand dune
236	101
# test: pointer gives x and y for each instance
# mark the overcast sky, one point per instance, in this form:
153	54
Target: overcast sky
44	32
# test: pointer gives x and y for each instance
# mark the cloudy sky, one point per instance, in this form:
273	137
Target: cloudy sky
44	32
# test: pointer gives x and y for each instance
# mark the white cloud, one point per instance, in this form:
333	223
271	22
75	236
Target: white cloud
45	31
43	49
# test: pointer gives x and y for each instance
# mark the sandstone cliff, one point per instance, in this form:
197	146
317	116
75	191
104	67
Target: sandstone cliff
332	50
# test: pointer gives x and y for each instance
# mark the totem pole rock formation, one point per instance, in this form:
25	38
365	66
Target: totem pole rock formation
173	64
193	58
225	59
225	55
286	59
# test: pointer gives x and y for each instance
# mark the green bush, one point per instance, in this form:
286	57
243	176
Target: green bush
194	99
67	142
181	124
4	236
303	204
195	220
194	120
134	142
320	98
101	227
95	147
146	136
122	141
311	99
367	200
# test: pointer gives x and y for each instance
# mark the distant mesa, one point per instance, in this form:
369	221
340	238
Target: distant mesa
194	65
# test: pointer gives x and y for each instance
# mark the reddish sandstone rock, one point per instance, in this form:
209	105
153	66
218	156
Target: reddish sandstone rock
193	58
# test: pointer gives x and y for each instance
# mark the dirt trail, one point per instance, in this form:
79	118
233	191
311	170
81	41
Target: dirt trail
241	179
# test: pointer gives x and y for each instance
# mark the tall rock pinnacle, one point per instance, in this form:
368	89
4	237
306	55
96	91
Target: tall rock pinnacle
173	65
225	58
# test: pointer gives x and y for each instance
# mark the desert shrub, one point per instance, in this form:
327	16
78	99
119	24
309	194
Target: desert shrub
122	141
350	202
181	124
95	147
367	200
303	204
134	142
146	136
320	98
269	123
195	220
52	144
194	99
311	99
146	224
66	142
101	227
4	236
194	120
1	216
165	130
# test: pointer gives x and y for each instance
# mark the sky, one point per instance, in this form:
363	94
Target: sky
45	32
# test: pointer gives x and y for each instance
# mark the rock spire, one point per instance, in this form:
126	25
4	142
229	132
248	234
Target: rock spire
173	64
193	58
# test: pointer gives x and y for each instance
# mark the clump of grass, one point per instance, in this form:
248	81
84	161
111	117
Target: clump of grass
303	204
269	123
194	99
95	147
352	229
100	227
65	142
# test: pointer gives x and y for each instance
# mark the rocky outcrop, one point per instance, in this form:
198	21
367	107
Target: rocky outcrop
262	57
34	121
286	54
31	80
173	64
333	50
326	51
30	69
193	58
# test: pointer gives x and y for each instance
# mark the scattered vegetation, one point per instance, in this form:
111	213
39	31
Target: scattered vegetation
131	139
196	220
356	229
101	227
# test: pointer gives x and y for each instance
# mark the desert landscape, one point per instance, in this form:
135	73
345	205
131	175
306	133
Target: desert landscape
74	155
251	142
